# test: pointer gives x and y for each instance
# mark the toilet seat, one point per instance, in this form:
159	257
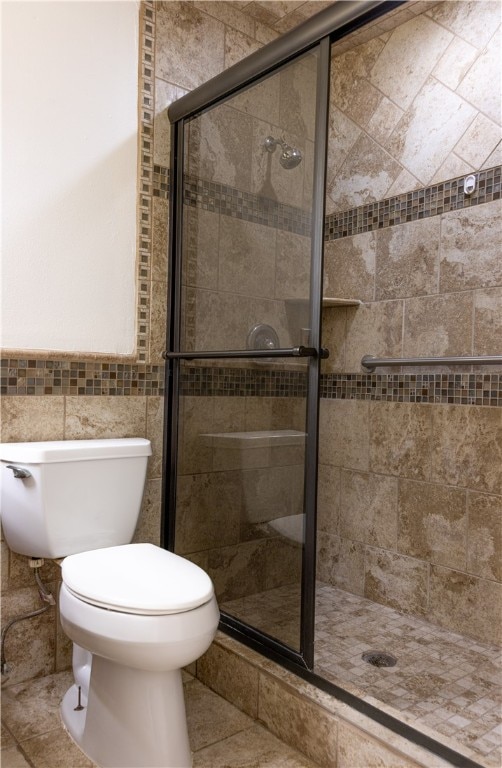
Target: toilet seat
140	579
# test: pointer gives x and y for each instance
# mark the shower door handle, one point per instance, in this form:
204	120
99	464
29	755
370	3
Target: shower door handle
248	353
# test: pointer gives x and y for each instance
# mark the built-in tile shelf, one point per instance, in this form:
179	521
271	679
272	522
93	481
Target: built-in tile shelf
257	439
290	527
329	301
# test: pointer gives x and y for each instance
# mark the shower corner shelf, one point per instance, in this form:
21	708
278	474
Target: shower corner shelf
329	301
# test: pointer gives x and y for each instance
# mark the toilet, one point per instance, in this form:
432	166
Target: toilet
136	613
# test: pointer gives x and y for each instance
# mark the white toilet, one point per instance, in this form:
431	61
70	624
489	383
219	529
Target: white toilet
136	613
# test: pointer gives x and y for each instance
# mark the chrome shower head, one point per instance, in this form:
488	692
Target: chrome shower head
290	156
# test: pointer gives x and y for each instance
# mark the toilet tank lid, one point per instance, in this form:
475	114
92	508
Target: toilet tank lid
47	452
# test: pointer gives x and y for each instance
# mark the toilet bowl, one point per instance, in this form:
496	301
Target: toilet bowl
136	613
141	613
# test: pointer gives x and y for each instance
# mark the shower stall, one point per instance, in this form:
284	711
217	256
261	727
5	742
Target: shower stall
349	517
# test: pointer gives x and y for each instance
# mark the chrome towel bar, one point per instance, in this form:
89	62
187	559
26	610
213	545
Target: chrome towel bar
369	363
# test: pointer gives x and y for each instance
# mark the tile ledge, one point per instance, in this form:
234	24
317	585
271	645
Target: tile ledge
346	714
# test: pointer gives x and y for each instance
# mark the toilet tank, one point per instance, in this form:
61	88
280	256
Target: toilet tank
79	494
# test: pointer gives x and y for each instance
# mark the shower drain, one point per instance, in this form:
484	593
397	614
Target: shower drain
379	659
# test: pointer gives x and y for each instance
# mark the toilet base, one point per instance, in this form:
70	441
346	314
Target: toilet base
132	719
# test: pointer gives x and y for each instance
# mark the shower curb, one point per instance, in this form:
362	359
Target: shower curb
316	723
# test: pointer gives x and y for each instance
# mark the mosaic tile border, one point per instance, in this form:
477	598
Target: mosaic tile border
145	191
66	377
230	201
242	382
400	209
411	206
445	388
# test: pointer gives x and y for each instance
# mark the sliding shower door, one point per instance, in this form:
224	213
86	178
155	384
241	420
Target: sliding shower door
244	349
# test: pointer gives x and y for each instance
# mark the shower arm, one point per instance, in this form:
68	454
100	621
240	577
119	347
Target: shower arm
270	144
291	157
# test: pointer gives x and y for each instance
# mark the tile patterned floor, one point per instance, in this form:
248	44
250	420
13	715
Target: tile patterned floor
220	735
444	683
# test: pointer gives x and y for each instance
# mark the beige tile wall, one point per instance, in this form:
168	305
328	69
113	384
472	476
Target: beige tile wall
237	269
416	105
412	519
38	646
226	145
403	485
430	287
254	269
195	41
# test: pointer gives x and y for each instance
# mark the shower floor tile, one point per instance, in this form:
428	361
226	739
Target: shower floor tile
443	683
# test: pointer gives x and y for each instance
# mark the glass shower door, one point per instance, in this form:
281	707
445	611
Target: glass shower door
244	352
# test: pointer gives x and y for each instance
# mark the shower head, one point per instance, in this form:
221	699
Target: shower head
290	156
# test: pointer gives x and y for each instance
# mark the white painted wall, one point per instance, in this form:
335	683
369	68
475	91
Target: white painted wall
69	156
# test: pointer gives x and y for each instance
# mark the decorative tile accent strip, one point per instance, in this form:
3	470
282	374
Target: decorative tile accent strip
146	85
230	201
242	382
226	200
410	206
161	186
68	377
453	388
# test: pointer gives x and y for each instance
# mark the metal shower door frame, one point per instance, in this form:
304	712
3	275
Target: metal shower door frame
315	34
175	355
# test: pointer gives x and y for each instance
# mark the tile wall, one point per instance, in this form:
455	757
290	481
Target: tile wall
38	646
437	75
410	490
241	259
